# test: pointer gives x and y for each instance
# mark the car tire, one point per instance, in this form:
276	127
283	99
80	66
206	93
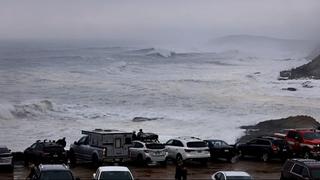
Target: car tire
95	161
140	159
265	157
72	158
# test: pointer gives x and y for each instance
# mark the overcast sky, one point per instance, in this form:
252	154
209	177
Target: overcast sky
157	19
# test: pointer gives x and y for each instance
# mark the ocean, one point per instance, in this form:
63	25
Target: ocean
53	91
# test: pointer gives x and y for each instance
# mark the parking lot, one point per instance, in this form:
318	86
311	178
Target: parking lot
258	170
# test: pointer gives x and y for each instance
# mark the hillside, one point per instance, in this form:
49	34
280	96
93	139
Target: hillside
310	70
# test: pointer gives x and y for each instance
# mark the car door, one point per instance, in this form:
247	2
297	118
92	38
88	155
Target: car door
81	148
217	148
136	149
170	148
249	147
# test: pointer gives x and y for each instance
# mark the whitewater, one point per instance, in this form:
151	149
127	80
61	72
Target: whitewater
48	92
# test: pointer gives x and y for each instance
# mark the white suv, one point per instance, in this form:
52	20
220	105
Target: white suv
148	152
112	172
188	148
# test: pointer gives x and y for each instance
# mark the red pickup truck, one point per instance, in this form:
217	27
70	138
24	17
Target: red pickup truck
304	142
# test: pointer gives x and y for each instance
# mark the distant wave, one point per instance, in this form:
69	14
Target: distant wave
8	112
154	52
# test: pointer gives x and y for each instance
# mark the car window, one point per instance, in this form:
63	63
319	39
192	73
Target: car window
155	146
39	146
254	141
84	140
33	145
297	169
288	165
138	145
217	144
170	142
177	143
115	175
311	135
197	144
263	142
224	143
56	175
4	150
118	143
305	172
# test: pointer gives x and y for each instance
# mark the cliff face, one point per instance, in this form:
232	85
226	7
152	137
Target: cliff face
310	70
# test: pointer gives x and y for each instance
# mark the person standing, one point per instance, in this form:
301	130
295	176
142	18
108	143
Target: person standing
181	171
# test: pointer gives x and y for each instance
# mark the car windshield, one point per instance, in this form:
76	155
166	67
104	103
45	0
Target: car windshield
197	144
56	175
239	178
115	175
315	173
155	146
311	135
4	150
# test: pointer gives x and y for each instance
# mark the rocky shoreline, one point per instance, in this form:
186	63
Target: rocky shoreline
270	127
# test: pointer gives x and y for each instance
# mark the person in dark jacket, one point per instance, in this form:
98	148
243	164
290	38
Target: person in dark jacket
181	171
62	142
134	135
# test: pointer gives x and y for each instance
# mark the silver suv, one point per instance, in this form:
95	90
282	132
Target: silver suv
188	148
148	152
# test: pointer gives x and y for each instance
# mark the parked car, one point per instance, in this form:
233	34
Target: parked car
98	146
265	148
304	142
112	173
45	152
188	148
300	169
231	175
51	172
221	149
148	152
6	158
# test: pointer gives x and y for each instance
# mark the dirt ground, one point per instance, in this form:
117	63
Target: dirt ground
258	170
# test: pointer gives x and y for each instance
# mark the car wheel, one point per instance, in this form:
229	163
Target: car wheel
140	159
95	160
265	157
72	158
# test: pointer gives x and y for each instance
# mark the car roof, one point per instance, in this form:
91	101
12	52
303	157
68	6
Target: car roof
146	142
104	131
234	173
53	167
113	168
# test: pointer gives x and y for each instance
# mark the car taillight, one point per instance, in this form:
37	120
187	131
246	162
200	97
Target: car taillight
275	148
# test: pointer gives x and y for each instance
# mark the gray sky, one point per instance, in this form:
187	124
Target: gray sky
157	19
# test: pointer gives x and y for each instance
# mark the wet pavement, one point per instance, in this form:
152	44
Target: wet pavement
258	170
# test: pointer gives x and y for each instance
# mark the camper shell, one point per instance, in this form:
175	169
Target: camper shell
115	143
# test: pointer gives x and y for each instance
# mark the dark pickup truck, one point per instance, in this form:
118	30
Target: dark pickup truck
221	149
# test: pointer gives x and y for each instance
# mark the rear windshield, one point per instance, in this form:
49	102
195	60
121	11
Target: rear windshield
311	135
197	144
53	148
56	175
239	178
155	146
115	175
279	142
315	173
4	150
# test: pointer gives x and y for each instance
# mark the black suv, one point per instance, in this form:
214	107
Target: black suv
51	172
221	149
45	152
300	169
265	148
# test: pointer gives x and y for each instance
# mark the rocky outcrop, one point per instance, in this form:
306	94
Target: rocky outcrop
310	70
